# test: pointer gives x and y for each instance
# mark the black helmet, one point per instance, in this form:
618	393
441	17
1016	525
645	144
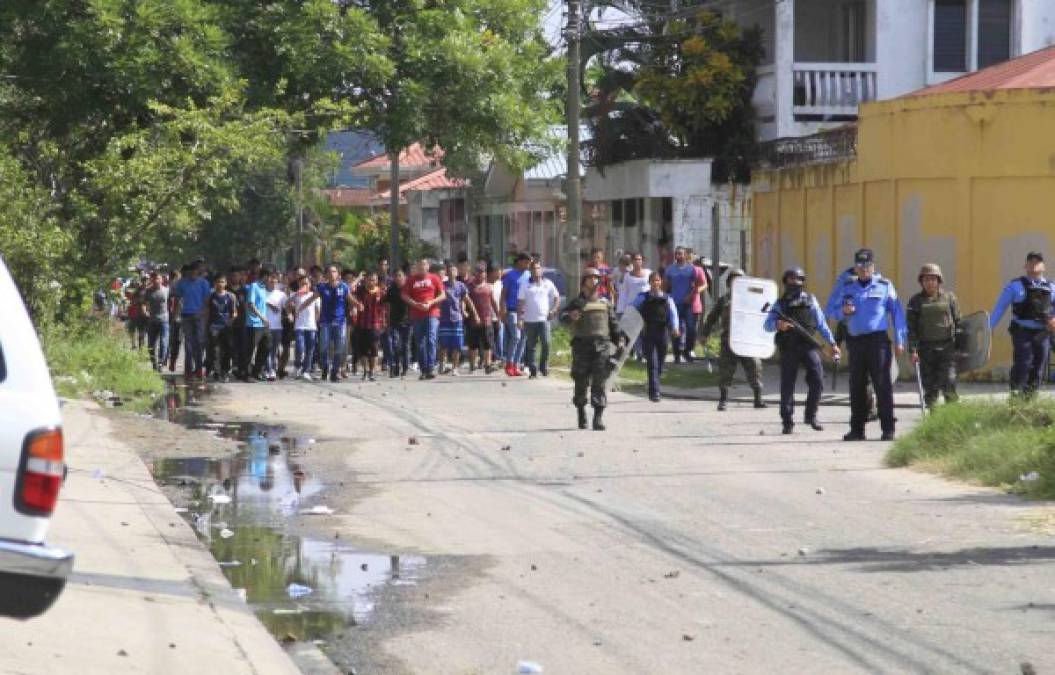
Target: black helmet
796	272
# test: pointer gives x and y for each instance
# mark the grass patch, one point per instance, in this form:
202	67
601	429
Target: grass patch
94	357
686	376
988	442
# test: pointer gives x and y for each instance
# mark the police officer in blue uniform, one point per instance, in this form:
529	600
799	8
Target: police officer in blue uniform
869	304
796	349
1032	301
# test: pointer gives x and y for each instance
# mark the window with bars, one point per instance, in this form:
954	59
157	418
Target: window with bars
994	32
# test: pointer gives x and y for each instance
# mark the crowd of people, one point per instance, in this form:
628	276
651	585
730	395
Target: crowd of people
253	322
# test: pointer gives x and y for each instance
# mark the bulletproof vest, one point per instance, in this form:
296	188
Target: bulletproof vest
1037	305
800	309
935	319
594	320
654	311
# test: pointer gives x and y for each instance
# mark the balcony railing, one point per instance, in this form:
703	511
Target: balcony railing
832	90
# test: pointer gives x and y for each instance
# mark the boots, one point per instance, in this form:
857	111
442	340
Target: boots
759	403
582	417
723	398
812	423
598	424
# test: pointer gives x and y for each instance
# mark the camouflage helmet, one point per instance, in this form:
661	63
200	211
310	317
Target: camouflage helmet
930	269
732	274
590	272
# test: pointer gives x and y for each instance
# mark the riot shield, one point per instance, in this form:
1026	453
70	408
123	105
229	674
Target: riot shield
751	299
974	340
630	326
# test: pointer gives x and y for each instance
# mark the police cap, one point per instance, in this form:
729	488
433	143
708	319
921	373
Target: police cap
864	256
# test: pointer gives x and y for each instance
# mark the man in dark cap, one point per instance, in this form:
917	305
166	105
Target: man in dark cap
869	304
1032	301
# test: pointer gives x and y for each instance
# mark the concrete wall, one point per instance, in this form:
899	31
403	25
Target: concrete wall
967	181
1036	24
649	178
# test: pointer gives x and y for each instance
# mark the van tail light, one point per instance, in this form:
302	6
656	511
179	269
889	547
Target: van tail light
40	473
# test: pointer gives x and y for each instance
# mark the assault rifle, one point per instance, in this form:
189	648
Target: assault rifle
801	330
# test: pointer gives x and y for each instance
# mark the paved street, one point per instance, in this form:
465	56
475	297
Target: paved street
680	540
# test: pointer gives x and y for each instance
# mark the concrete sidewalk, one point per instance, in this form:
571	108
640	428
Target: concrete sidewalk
145	595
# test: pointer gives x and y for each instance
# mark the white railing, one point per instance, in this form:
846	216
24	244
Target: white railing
832	89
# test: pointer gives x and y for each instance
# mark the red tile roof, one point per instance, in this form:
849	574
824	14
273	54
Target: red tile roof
434	180
414	156
348	197
1035	70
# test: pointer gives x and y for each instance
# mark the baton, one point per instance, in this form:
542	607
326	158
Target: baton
835	370
919	389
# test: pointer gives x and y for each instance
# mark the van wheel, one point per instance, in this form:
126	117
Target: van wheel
23	597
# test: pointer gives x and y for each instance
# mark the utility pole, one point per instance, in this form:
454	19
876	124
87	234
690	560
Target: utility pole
573	189
394	253
299	166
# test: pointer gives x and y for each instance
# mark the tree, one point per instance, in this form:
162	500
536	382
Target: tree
469	76
673	86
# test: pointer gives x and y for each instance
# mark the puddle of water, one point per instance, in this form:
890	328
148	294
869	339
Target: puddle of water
240	507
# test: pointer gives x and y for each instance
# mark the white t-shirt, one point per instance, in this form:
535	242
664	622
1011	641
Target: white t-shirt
275	298
630	287
306	313
496	291
539	299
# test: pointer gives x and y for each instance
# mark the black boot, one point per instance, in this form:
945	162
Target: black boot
812	423
582	417
598	424
788	428
759	403
723	398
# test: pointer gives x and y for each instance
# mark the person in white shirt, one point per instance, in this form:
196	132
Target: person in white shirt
537	304
276	303
305	326
494	277
633	283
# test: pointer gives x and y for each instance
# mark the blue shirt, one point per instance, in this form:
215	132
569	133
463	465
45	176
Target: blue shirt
192	293
511	281
834	297
681	279
815	309
255	295
874	302
672	309
1014	293
334	302
451	308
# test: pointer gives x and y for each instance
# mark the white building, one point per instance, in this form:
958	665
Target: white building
824	57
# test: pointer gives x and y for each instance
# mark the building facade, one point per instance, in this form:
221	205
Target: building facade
823	58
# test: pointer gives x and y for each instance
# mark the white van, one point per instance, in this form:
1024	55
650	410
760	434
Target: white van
32	574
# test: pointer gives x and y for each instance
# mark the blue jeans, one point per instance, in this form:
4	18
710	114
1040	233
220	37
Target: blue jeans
158	341
687	319
305	356
654	344
515	341
536	331
193	342
500	340
272	352
397	342
425	331
332	339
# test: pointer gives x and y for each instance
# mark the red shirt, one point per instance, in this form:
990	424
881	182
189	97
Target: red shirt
374	314
482	296
423	288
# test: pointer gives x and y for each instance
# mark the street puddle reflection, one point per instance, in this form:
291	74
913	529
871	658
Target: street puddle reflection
242	506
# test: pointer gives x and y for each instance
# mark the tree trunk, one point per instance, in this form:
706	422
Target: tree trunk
393	211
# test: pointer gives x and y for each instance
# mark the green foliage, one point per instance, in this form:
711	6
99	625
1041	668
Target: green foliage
85	357
989	442
673	88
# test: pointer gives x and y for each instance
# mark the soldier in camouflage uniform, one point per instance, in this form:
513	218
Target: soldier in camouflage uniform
933	316
595	337
727	360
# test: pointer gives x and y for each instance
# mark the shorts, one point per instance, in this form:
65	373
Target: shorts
481	337
365	342
452	336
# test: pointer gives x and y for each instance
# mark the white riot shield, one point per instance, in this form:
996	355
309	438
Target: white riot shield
751	300
630	326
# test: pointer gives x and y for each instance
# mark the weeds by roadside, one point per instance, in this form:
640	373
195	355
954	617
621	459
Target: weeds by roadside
1010	446
93	357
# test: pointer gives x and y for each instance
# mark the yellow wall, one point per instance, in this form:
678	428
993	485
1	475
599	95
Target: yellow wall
964	180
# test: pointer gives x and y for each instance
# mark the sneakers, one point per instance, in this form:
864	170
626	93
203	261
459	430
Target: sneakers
453	372
305	375
429	375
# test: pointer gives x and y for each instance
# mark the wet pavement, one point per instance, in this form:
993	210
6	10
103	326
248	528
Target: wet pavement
246	509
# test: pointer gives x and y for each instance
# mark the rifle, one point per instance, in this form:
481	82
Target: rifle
919	389
795	325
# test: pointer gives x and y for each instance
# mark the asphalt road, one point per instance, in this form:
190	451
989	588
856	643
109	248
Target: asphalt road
681	540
